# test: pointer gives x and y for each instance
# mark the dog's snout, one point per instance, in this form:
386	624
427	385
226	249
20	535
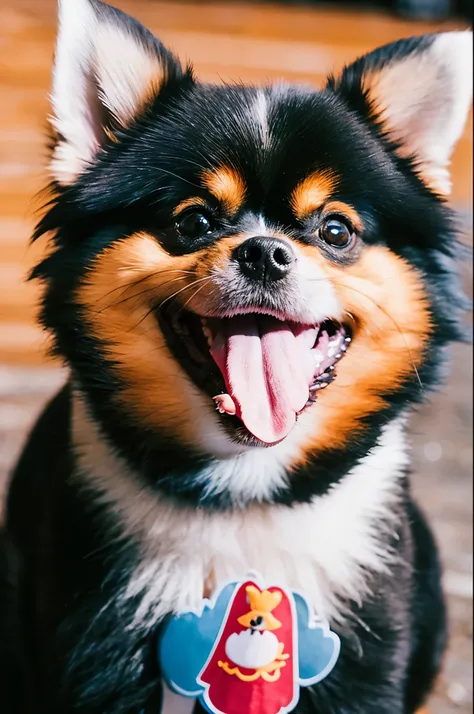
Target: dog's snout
262	258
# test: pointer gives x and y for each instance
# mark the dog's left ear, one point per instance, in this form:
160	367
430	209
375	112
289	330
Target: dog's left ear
420	91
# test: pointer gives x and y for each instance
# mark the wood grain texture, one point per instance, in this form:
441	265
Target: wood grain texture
250	42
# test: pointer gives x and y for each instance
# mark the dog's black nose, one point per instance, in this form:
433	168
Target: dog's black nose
263	258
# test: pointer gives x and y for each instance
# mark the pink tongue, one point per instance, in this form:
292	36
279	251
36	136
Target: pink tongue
267	367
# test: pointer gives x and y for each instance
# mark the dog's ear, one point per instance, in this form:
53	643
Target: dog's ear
420	91
108	68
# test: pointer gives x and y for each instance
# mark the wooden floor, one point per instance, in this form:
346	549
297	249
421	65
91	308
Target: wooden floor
230	41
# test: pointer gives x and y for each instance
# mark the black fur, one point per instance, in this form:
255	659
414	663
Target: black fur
70	648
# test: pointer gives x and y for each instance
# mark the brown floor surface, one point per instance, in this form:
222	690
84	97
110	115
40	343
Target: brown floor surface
253	43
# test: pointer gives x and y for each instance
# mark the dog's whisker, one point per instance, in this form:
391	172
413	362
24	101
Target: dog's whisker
143	279
178	292
158	307
392	319
134	284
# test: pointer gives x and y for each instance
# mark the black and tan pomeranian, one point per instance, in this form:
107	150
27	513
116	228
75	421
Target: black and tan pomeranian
251	287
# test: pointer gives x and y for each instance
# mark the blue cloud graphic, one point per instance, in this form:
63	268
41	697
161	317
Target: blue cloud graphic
187	643
318	647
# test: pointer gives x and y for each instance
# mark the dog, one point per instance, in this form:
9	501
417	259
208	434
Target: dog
251	288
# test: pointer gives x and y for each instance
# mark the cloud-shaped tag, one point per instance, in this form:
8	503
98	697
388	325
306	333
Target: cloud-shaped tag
192	641
318	647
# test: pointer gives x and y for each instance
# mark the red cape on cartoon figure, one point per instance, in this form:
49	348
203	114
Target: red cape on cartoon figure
252	667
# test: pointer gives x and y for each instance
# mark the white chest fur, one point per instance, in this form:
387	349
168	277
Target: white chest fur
324	549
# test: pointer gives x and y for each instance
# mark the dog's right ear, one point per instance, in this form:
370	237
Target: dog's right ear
419	91
108	69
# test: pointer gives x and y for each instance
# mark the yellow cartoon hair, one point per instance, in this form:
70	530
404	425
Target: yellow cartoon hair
261	605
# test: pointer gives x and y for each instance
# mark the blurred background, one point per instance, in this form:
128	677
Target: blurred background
301	41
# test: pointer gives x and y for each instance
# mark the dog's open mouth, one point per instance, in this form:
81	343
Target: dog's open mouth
260	369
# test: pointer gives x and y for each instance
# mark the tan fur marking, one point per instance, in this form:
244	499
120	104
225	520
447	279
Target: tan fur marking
152	89
125	283
188	203
387	309
110	135
312	193
227	186
345	210
121	289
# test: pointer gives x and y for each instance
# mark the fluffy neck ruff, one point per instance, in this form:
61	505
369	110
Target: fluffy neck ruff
328	549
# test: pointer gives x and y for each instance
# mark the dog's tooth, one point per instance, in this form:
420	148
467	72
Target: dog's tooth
317	356
319	385
225	404
326	377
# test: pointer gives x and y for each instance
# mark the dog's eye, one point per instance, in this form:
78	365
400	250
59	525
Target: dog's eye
193	225
336	232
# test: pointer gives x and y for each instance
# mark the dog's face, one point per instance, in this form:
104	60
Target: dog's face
237	267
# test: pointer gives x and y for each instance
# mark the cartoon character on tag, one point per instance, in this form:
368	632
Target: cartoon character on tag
251	666
248	652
